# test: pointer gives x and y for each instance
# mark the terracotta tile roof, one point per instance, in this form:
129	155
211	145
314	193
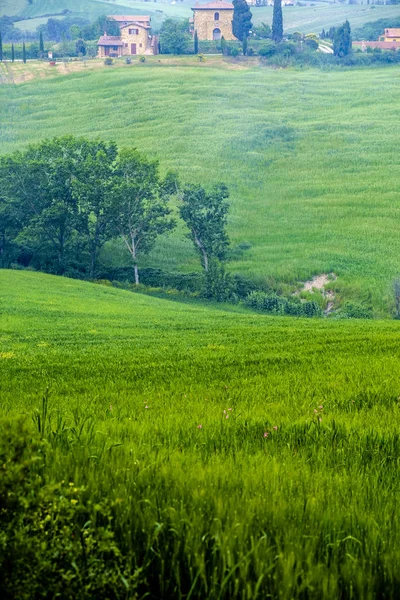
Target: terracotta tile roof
382	45
214	6
129	18
110	40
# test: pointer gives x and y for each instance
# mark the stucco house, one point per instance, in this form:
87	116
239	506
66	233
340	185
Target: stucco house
213	21
391	35
135	38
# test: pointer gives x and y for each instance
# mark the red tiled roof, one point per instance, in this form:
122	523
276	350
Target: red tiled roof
129	18
214	6
110	40
381	45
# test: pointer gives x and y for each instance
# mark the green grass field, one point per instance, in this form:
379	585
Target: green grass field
219	511
307	156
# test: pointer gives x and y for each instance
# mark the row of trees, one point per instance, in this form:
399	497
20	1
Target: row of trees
63	199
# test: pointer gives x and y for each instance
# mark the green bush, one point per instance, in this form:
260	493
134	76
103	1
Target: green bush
54	540
269	49
354	310
271	303
108	61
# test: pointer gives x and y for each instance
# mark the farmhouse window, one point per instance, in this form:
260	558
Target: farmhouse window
134	32
216	16
140	45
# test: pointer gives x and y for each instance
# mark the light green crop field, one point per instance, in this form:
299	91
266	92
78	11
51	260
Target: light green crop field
308	156
201	426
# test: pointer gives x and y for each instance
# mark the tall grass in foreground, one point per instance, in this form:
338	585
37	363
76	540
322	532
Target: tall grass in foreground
176	451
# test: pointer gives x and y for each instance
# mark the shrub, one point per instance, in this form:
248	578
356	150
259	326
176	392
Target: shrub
269	49
55	541
354	310
279	305
234	52
108	61
128	60
142	59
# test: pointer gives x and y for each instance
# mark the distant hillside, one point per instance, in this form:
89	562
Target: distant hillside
296	18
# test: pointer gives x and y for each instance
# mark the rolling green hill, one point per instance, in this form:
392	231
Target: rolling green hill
306	155
186	441
296	18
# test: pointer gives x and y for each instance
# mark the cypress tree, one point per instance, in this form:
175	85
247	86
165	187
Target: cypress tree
23	53
244	46
223	45
241	23
41	44
1	48
277	22
196	43
342	43
12	53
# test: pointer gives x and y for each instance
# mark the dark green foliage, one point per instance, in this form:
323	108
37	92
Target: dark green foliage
277	21
223	45
355	310
174	37
64	198
278	305
55	540
41	43
139	210
196	43
244	46
205	214
396	294
262	31
12	53
241	23
342	40
80	47
1	47
23	53
219	285
310	43
268	50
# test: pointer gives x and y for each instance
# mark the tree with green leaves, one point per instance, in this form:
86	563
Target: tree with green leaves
244	46
140	211
196	43
241	23
1	48
59	222
92	187
12	53
205	214
23	53
342	42
41	43
174	37
277	22
223	45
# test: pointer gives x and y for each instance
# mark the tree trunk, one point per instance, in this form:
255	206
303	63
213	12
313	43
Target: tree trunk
135	267
203	252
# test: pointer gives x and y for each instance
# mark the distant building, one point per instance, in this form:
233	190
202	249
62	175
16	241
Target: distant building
213	21
391	35
135	38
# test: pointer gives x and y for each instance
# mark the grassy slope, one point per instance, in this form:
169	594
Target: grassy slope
306	19
309	507
312	176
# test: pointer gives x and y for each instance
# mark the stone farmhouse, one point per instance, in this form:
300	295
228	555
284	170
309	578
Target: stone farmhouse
213	21
390	40
135	38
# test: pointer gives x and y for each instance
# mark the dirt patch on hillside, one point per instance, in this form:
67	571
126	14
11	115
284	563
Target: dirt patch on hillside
318	282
